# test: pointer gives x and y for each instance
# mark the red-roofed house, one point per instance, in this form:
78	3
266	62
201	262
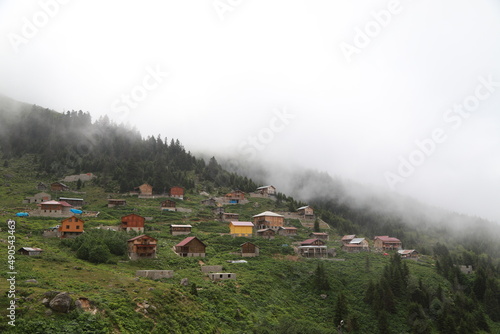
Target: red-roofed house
142	247
384	242
191	246
55	209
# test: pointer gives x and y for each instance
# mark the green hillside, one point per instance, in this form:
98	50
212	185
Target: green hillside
275	292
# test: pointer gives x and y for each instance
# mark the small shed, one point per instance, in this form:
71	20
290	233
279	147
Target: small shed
266	233
249	249
142	246
168	205
180	229
190	247
30	251
116	202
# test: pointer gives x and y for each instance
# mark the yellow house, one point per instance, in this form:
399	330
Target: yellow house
241	229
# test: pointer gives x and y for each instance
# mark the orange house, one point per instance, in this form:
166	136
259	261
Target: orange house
70	227
177	192
146	189
133	222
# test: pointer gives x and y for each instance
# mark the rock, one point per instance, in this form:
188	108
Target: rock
323	296
61	302
51	294
151	289
46	302
185	282
31	281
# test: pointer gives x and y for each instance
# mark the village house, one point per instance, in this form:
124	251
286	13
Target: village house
209	202
249	249
177	192
346	239
287	231
75	202
235	197
70	227
142	247
228	217
319	235
241	229
313	248
408	254
168	205
180	229
306	211
42	186
268	219
37	198
266	190
132	222
385	242
58	186
266	233
221	276
356	245
145	190
30	251
55	209
116	202
190	247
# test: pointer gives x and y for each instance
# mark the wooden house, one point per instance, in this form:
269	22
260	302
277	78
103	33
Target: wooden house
266	190
145	189
319	235
30	251
385	242
356	245
177	192
228	217
42	186
191	246
132	222
55	209
268	219
116	202
58	186
37	198
313	248
347	238
235	197
180	229
142	247
306	212
287	231
266	233
209	202
241	229
75	202
70	227
168	205
408	254
249	249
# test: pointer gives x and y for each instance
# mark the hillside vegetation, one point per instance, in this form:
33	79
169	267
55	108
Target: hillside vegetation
276	292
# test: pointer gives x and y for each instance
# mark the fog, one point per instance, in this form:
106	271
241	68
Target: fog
400	96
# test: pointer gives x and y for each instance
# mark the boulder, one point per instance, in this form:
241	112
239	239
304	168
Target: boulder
61	302
185	282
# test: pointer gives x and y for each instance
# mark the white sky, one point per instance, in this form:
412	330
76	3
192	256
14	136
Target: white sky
230	69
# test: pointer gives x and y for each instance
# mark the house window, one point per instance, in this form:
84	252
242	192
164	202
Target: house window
67	227
77	227
221	275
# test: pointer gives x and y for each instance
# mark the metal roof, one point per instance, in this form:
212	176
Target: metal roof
268	213
173	225
242	223
357	240
32	249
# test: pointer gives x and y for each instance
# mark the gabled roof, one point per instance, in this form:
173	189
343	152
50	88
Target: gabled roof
406	251
310	241
264	187
268	213
242	224
387	239
173	225
248	242
188	240
31	249
320	233
303	207
357	241
287	228
142	237
63	203
349	237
